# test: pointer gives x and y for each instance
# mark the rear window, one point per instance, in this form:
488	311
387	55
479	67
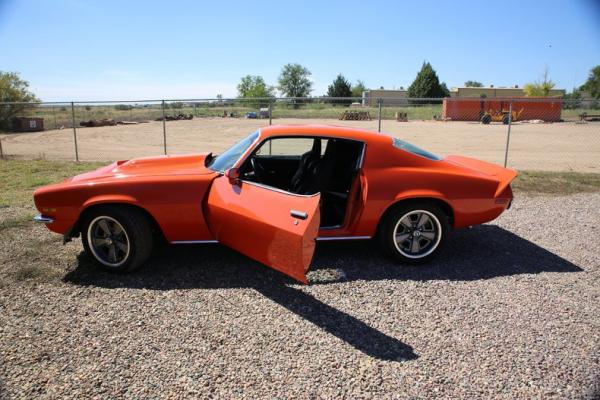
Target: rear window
402	145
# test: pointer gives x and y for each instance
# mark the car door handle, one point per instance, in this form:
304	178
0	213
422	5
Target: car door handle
298	214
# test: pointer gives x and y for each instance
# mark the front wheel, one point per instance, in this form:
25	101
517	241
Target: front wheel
414	233
118	238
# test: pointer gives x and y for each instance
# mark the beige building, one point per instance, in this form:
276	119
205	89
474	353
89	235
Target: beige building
491	92
399	97
391	97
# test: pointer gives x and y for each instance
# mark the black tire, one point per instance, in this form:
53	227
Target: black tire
394	222
126	225
505	119
486	119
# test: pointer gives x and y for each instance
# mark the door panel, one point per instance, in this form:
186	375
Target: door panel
273	227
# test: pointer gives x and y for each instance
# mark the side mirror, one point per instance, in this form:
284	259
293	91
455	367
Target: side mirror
233	175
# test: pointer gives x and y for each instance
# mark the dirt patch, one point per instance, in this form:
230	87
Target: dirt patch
564	146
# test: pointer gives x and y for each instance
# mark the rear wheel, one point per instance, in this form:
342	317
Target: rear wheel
119	239
414	233
486	119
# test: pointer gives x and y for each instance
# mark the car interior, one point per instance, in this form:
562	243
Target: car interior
308	165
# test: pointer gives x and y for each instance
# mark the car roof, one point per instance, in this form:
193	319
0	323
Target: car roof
326	130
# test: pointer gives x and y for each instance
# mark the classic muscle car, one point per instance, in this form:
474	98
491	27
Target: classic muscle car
274	193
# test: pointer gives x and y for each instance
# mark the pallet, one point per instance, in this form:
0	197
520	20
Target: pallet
355	115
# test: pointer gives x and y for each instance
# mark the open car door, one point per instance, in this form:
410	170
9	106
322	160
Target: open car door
271	226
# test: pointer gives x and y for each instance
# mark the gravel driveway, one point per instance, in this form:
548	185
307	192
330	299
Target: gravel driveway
511	310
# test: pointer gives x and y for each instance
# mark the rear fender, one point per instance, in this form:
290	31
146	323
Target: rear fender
422	195
418	193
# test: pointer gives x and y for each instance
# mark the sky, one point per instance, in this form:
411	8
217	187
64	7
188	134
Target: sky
78	50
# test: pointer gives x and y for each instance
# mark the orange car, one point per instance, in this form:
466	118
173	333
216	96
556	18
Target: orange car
273	193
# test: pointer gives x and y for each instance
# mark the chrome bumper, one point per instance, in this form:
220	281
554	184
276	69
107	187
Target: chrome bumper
43	219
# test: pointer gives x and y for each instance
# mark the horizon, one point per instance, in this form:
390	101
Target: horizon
84	51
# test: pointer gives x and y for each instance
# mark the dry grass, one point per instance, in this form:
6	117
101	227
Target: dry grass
13	222
20	177
28	253
557	183
34	273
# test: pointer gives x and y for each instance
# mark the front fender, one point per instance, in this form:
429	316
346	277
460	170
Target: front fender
109	198
74	228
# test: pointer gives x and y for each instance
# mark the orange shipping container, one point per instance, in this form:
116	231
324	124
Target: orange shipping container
472	109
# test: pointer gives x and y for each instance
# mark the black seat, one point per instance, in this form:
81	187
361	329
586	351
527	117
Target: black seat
304	177
324	170
315	173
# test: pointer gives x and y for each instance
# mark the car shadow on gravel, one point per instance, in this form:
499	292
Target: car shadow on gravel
482	252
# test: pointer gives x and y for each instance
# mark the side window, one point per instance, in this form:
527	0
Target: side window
289	146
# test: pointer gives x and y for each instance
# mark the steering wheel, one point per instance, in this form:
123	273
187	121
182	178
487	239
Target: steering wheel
259	170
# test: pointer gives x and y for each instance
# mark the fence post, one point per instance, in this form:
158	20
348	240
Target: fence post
508	133
54	115
379	101
270	113
1	152
164	128
74	131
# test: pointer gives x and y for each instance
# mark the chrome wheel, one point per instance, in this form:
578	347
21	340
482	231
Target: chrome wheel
417	234
108	241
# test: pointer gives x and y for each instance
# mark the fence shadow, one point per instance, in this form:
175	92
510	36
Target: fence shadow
480	253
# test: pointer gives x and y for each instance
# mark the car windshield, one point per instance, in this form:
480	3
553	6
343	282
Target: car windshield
226	160
411	148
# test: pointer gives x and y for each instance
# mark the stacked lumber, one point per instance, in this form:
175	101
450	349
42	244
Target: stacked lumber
98	122
355	115
177	117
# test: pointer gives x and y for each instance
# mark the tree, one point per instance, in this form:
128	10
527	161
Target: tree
592	84
16	90
358	89
427	84
473	84
253	86
445	89
573	99
294	81
340	88
539	88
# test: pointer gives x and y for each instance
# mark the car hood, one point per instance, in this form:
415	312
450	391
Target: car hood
190	164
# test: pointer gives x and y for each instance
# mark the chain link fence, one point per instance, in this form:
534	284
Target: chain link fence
523	133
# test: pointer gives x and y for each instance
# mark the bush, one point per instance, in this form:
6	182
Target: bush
14	89
123	107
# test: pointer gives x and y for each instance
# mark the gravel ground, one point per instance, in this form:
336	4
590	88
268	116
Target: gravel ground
511	310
